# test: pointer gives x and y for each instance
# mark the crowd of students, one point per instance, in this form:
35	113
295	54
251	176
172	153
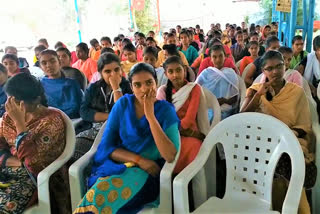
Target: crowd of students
151	95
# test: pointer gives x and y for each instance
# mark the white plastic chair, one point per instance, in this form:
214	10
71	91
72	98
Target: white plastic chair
212	103
78	184
44	205
253	144
316	131
245	71
242	89
238	64
318	92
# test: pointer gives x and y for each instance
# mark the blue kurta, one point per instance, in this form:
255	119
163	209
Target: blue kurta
64	94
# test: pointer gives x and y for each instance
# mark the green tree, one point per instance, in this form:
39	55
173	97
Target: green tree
145	19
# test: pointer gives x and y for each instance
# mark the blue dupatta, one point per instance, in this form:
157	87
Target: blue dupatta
125	130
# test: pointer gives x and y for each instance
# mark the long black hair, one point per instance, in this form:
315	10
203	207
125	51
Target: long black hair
142	67
29	91
169	86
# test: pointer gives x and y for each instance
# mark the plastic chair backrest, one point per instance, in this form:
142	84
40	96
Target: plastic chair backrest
44	175
306	87
318	92
253	144
238	64
213	104
242	90
78	76
245	71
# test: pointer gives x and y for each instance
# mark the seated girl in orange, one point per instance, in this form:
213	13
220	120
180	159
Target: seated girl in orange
253	48
186	97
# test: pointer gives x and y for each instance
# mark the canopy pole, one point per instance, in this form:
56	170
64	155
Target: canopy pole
78	19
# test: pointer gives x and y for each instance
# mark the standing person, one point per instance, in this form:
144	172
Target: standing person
140	136
186	98
62	93
85	64
69	72
3	95
32	137
298	53
189	51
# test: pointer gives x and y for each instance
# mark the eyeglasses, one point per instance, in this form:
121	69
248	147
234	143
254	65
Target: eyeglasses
277	67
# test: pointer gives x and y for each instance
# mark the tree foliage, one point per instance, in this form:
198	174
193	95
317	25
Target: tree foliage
146	18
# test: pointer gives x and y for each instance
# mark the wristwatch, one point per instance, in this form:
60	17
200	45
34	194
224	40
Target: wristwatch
118	90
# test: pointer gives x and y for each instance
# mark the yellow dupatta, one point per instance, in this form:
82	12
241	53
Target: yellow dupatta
290	106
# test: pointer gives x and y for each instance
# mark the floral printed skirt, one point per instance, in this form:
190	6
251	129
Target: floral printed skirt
16	190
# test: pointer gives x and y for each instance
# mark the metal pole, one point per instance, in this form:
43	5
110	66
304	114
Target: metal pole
293	21
78	19
130	12
310	27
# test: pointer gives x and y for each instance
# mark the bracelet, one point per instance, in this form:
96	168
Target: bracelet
118	90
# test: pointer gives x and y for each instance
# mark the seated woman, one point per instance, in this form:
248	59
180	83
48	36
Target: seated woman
287	102
3	95
69	72
141	134
62	93
253	49
222	82
29	132
11	62
290	75
310	66
150	56
85	64
188	50
186	98
99	99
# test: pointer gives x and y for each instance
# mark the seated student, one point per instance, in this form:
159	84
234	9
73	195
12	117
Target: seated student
245	36
11	62
222	82
287	102
188	50
231	35
171	50
73	57
97	76
265	34
186	98
141	134
298	53
121	45
105	42
253	48
253	37
85	64
62	93
151	42
290	75
171	40
116	45
23	63
69	72
141	45
310	66
37	51
272	43
129	51
150	56
99	99
32	137
195	43
208	62
3	95
94	52
237	48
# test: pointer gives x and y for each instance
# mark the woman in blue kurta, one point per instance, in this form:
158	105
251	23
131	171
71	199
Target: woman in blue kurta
141	134
62	93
